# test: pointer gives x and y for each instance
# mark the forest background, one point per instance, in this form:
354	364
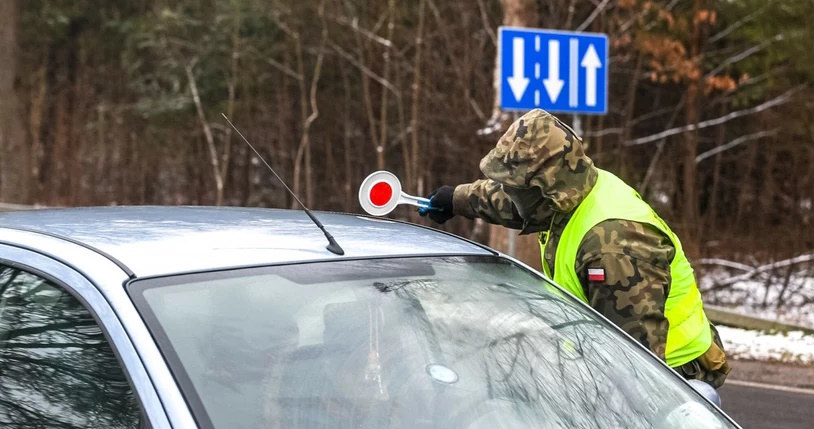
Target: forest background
710	108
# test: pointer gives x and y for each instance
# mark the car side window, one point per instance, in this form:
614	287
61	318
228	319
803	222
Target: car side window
57	369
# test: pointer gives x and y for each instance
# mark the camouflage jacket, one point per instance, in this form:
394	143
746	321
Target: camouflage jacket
536	176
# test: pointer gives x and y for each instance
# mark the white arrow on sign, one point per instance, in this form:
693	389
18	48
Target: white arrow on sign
591	62
553	85
517	81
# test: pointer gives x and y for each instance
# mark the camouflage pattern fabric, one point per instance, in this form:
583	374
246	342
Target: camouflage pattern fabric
539	153
552	238
486	199
537	168
536	175
636	258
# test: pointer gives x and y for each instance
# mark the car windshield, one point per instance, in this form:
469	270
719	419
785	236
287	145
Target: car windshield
452	342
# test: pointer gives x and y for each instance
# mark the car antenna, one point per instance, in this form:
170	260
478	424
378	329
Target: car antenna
332	246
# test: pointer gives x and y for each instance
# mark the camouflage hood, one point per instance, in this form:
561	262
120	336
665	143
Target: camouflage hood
541	156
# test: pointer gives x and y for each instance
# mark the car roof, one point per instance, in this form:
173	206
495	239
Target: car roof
153	241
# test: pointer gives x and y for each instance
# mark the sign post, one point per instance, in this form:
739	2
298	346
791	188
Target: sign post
557	71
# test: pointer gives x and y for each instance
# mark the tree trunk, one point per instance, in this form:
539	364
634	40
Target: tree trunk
209	136
413	164
231	84
347	131
380	155
767	189
632	89
747	189
690	200
304	149
689	205
37	103
13	171
517	13
712	205
57	175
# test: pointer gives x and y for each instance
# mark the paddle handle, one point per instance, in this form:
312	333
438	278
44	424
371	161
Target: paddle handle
415	201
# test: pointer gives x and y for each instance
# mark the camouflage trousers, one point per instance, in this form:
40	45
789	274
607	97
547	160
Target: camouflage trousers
711	367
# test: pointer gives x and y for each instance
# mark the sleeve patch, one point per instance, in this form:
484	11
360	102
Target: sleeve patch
596	274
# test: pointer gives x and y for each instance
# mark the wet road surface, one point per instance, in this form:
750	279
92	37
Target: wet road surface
756	406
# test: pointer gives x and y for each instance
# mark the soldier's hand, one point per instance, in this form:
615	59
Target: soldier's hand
440	209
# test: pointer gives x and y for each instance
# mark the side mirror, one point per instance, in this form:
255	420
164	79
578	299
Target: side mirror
706	391
695	414
691	415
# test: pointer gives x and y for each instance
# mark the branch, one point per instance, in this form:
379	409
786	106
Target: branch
315	81
38	330
354	25
475	108
635	121
764	268
626	26
276	64
736	142
277	18
65	345
365	70
599	8
745	54
777	101
400	137
753	80
486	25
725	32
725	263
604	132
660	148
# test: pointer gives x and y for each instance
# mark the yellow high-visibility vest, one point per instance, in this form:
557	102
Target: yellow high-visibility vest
689	334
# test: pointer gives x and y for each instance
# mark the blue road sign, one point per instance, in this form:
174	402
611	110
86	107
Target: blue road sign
558	71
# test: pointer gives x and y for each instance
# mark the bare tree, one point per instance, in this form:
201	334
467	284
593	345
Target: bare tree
214	159
413	163
516	13
304	149
13	185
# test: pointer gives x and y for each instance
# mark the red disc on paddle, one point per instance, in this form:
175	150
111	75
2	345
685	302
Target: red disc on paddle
381	193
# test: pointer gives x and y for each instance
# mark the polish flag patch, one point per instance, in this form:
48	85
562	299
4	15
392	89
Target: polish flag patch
596	274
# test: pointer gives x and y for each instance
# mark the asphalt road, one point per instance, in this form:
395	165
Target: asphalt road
759	407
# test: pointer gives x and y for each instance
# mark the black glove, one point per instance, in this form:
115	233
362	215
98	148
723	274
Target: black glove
440	209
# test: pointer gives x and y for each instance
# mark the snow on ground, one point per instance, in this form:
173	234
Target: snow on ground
782	291
793	347
779	297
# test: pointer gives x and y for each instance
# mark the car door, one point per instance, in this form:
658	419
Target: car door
65	359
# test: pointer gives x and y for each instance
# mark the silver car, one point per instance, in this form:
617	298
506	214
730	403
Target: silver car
190	317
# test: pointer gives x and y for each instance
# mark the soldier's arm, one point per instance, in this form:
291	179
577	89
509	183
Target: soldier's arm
636	260
537	166
487	200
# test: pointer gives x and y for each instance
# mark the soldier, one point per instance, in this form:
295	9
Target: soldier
598	238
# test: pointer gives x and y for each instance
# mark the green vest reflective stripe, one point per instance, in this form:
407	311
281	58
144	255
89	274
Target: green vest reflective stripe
689	334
